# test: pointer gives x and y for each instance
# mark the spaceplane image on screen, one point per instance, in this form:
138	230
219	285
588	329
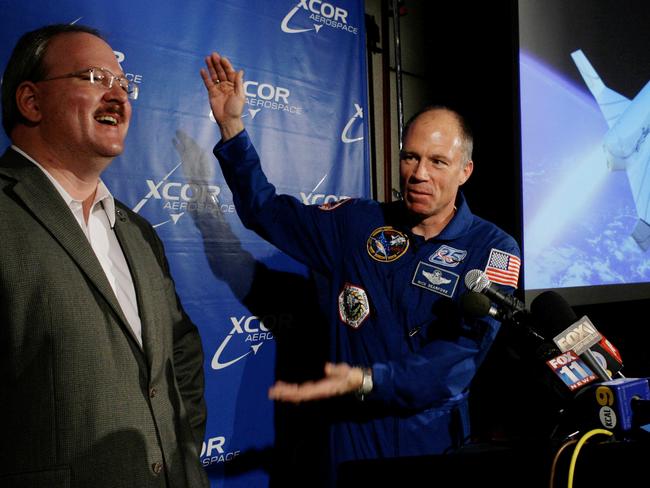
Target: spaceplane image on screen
625	143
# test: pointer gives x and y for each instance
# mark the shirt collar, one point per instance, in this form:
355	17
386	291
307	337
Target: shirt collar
460	222
456	227
102	194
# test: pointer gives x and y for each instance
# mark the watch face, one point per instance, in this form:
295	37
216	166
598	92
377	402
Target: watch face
366	382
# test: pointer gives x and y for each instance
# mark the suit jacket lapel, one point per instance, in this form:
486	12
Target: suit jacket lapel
130	238
42	199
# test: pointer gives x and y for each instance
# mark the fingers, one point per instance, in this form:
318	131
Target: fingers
239	83
350	377
225	71
337	370
296	393
212	62
291	392
329	368
207	81
219	70
340	379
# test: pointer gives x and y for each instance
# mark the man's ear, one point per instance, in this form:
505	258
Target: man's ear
467	172
27	101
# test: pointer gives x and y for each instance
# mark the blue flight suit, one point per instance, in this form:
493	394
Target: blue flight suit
394	305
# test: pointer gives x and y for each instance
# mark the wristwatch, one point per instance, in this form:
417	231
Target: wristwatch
366	384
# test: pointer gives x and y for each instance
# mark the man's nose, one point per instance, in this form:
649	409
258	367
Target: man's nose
117	93
421	172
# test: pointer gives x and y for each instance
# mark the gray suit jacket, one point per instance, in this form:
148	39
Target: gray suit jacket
81	404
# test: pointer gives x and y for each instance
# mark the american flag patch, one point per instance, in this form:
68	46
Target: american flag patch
503	268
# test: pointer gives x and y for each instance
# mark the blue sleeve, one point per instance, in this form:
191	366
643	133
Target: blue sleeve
437	374
440	371
304	232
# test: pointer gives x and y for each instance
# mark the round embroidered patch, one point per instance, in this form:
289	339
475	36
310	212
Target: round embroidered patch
354	306
386	244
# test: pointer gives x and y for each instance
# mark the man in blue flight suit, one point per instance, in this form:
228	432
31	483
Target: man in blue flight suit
402	354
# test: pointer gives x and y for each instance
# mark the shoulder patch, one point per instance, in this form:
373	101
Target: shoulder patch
448	256
503	268
387	244
354	306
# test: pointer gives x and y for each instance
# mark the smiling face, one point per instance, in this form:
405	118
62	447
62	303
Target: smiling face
433	165
80	120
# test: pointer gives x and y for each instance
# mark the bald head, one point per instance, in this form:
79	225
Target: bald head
466	137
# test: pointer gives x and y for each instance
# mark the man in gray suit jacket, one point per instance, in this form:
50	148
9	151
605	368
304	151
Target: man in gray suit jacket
101	370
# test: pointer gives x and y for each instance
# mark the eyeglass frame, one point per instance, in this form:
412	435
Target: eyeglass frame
93	79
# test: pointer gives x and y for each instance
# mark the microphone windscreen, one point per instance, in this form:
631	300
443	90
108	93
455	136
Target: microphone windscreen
552	313
475	304
475	281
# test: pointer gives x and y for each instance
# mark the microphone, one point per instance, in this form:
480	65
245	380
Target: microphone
603	350
553	312
620	405
477	281
475	304
569	368
606	351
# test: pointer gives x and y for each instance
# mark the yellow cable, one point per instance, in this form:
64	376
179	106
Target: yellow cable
576	451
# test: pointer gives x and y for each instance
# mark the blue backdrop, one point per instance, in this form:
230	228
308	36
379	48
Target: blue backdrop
305	80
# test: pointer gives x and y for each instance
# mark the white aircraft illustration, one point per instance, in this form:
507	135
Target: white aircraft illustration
625	142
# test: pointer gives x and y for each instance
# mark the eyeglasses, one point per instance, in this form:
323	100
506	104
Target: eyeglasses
103	77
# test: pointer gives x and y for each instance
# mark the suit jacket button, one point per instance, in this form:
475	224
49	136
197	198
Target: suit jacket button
156	468
152	392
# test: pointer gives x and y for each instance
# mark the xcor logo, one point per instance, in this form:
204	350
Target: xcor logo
252	329
214	445
266	91
188	192
320	13
213	451
325	9
320	198
180	197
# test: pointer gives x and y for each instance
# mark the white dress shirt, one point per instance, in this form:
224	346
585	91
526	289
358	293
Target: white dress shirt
101	236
